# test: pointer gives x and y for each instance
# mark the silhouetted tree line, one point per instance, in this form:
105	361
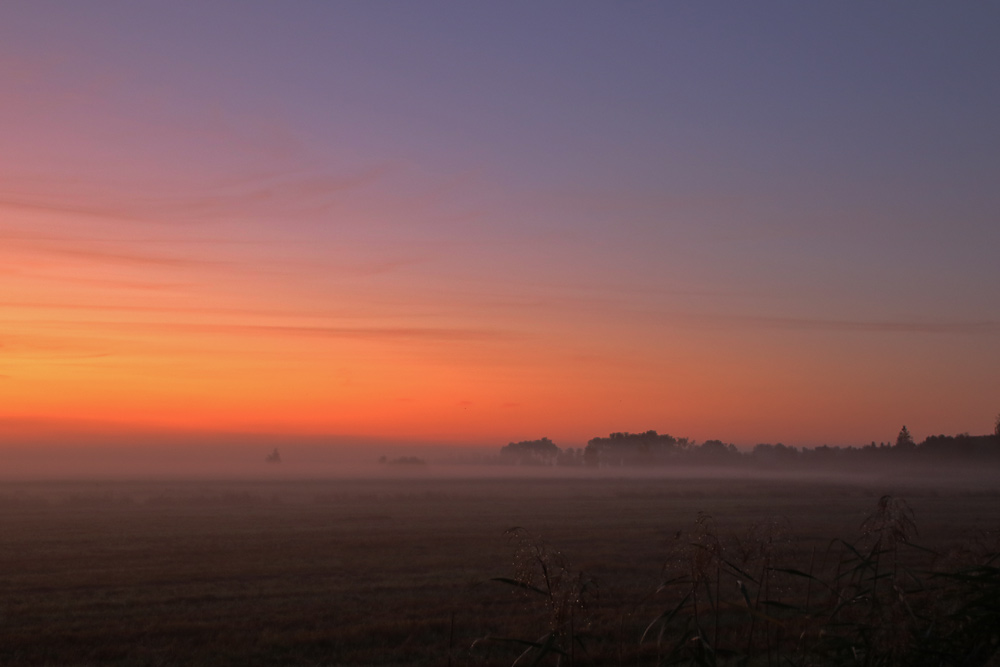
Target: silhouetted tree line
660	449
530	452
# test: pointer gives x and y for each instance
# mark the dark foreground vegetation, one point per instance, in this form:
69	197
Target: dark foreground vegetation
739	600
437	572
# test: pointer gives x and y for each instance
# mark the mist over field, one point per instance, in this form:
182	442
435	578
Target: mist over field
129	548
99	452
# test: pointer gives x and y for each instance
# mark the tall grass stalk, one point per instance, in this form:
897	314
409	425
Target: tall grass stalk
878	601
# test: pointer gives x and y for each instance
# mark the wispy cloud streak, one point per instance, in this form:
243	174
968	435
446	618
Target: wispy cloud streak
981	327
253	197
123	257
390	333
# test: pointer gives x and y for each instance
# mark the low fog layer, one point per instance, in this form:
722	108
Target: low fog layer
303	461
80	451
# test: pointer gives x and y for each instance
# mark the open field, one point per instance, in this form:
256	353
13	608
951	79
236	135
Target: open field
388	571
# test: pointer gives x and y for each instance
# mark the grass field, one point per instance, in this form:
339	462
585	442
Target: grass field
400	571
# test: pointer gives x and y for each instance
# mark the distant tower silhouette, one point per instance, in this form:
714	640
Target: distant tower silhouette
273	457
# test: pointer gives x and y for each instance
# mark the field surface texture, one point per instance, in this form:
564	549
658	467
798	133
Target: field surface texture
430	572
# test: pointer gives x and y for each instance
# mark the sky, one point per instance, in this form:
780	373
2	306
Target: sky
474	223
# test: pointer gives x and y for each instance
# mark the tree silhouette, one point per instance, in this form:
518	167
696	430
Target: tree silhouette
904	441
530	452
624	448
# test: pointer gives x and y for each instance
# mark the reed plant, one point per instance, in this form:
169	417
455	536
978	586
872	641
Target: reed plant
757	598
881	600
545	581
